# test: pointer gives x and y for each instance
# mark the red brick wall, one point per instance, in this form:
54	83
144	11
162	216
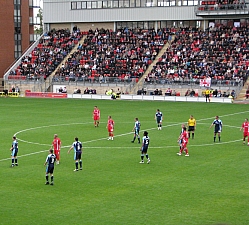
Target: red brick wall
7	41
7	44
25	24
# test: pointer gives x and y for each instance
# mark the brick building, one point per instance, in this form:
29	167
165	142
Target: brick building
17	29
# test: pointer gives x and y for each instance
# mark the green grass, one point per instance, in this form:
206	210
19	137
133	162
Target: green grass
209	187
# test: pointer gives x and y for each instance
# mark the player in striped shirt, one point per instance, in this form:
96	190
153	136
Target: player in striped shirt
159	119
217	123
49	163
77	147
136	130
144	147
14	151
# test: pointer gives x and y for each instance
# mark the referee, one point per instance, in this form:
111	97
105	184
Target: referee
191	126
207	95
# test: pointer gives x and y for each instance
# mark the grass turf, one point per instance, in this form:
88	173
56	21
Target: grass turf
209	187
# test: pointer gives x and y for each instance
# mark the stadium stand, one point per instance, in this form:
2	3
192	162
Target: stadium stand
105	56
42	61
218	53
108	56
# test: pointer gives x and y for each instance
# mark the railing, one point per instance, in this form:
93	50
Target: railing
222	9
194	82
39	85
128	82
18	61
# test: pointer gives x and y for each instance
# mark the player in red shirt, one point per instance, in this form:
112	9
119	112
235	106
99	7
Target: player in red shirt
110	127
184	138
180	136
96	116
56	145
245	127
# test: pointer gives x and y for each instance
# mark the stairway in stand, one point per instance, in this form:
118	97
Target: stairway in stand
242	95
140	83
47	84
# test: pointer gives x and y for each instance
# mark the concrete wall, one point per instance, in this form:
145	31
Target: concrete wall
53	13
151	98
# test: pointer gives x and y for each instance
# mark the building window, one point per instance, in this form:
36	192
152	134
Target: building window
89	5
17	7
17	28
100	4
83	5
18	54
18	37
138	3
17	12
129	4
94	5
109	4
104	4
18	47
78	5
115	4
73	5
17	19
132	3
126	3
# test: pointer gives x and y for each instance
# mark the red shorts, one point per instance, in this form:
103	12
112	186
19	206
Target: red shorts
110	129
57	153
245	134
96	118
184	144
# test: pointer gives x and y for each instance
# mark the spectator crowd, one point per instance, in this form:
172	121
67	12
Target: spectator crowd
220	53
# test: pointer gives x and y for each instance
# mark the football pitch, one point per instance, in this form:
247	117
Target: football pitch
209	187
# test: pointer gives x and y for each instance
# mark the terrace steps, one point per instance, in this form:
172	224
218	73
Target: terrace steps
139	85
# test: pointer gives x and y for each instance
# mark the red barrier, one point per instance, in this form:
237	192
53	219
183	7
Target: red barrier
45	95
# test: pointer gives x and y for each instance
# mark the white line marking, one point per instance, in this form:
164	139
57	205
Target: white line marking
32	153
130	147
174	124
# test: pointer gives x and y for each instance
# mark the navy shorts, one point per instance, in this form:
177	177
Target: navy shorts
217	130
144	150
50	169
14	153
77	156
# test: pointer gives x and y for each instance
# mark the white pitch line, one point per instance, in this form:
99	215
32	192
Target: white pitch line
130	147
33	153
168	146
